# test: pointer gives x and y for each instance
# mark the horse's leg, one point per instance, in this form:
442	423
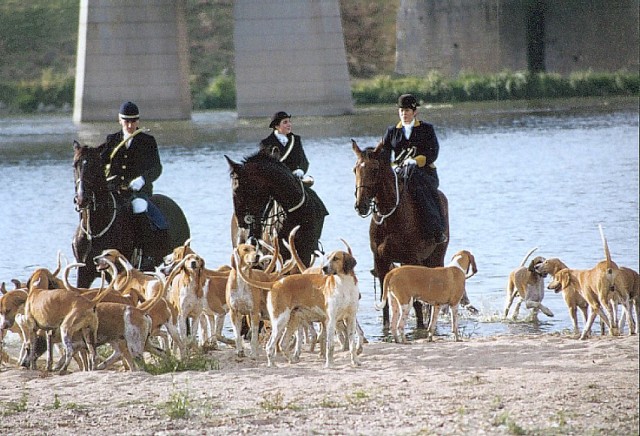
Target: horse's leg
417	307
382	268
86	275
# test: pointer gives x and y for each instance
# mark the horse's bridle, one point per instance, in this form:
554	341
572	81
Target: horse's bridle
250	219
92	205
373	205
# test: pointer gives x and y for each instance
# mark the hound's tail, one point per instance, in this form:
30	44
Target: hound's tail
527	256
379	305
607	254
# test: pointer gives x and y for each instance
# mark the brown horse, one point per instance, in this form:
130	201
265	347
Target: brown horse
106	219
395	233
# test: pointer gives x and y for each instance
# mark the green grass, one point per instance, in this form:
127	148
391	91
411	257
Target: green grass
275	401
512	427
15	406
194	360
178	406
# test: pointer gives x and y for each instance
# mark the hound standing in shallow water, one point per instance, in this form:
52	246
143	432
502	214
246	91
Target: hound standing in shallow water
528	284
434	286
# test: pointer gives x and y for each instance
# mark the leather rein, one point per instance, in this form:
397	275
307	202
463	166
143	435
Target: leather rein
92	206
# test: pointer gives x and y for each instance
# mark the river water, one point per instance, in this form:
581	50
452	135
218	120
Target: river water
517	175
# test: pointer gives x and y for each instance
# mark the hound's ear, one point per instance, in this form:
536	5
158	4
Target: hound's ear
474	267
233	261
3	289
565	278
76	145
349	263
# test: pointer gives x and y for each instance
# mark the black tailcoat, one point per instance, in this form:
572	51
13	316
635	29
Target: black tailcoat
140	159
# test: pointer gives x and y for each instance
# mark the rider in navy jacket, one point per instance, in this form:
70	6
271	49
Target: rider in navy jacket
132	164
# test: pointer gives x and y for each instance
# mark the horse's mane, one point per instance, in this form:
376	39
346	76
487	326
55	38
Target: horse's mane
272	166
80	149
377	152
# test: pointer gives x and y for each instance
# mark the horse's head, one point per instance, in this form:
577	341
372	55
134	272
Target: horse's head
368	169
88	173
257	180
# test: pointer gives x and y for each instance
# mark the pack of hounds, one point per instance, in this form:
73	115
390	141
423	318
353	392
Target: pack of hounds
283	305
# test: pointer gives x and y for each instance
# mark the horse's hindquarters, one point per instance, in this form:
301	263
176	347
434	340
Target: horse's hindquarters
179	230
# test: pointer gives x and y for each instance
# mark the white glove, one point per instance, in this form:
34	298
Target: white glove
298	173
137	183
409	161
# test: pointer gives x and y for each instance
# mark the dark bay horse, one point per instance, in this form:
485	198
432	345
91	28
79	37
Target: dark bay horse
261	178
106	218
394	234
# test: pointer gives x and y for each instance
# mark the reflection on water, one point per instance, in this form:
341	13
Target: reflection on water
517	175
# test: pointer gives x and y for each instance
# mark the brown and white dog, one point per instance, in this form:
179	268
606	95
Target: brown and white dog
330	297
11	306
528	284
596	286
214	311
163	314
126	329
434	286
134	281
628	282
50	309
186	282
244	299
214	304
571	296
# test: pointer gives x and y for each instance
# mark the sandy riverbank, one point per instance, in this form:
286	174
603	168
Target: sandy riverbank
548	384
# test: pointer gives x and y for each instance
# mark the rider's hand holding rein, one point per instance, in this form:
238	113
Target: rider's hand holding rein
130	156
413	147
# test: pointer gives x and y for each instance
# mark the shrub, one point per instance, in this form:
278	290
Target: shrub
220	94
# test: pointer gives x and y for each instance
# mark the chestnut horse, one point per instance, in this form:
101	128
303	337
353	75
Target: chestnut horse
395	233
257	181
106	218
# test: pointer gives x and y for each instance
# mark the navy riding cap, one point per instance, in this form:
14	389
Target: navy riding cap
129	111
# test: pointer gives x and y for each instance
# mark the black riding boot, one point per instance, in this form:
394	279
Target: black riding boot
144	242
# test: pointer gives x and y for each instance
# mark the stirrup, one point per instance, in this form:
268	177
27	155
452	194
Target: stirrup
136	258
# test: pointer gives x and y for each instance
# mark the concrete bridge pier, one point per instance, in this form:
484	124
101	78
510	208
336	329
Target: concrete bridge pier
134	51
290	55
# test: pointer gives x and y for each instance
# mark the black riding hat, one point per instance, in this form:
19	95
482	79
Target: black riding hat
277	117
407	101
129	111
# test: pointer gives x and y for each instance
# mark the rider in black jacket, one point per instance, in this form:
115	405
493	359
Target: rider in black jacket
287	147
414	146
132	164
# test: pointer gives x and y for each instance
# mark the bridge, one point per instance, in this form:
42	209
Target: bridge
290	55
